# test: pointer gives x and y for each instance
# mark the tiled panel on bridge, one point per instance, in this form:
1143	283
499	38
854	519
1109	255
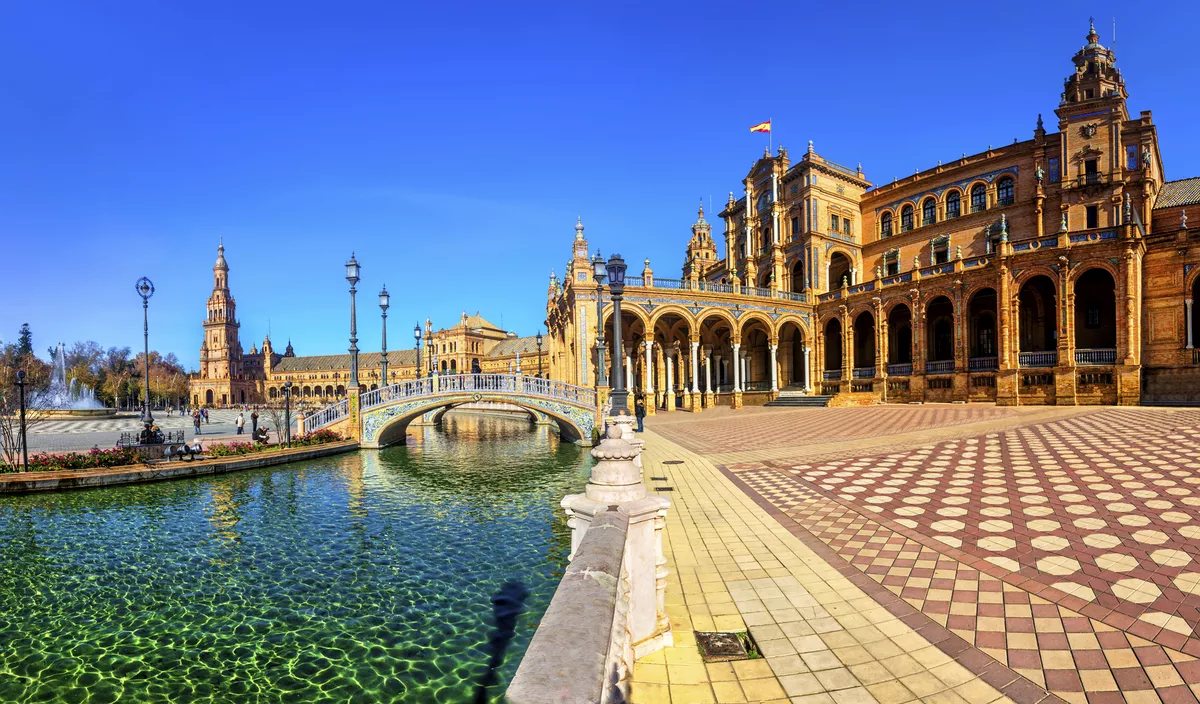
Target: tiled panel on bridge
752	429
1063	550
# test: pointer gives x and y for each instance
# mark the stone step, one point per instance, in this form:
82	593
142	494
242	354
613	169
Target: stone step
800	401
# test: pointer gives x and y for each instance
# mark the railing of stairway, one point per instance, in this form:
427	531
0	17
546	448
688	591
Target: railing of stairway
516	384
327	415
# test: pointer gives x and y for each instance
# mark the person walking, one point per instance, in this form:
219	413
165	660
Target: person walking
639	409
204	412
196	420
240	423
254	421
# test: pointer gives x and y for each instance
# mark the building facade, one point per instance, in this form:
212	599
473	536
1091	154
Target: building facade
1055	270
229	376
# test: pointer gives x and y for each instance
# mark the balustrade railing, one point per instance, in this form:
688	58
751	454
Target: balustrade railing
1094	357
801	296
637	281
327	415
757	291
1196	356
900	369
983	364
669	283
1048	358
832	374
715	288
494	383
863	373
941	366
756	386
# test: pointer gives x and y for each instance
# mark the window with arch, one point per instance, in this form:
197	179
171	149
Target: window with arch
1004	191
928	211
978	198
906	218
953	204
885	225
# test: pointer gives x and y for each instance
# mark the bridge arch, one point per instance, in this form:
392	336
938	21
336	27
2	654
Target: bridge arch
388	424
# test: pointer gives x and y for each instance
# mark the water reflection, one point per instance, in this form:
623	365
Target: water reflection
366	575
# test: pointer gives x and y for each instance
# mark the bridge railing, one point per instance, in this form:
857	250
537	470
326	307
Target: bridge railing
517	384
325	416
405	389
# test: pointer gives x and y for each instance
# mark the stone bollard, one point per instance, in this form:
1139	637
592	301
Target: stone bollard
616	484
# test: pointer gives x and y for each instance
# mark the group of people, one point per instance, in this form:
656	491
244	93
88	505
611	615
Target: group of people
198	415
255	433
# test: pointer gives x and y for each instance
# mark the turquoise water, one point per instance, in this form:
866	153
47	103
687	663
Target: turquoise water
360	577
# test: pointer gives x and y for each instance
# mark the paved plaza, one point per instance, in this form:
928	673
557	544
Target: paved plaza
71	435
932	553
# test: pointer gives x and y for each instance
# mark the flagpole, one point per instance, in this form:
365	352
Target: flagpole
770	135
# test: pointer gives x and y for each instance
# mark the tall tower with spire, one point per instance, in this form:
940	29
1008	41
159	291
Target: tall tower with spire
701	250
224	351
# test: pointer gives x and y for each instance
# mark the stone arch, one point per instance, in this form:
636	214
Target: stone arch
387	425
720	313
851	263
1096	312
1087	265
754	315
436	416
672	309
795	320
627	308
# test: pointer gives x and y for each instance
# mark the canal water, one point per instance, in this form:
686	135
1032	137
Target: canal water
360	577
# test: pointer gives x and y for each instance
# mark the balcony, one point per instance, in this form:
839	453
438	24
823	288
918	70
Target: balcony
1091	179
832	374
983	364
901	369
800	296
863	373
756	291
1048	358
941	366
1095	357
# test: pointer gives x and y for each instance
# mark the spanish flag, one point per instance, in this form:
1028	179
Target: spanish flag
762	127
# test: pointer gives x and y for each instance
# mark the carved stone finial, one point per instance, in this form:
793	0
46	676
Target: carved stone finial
958	251
810	146
579	228
1062	226
878	272
916	261
1039	125
1127	211
1003	224
1183	219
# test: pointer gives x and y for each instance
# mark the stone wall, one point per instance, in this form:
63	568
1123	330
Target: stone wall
583	651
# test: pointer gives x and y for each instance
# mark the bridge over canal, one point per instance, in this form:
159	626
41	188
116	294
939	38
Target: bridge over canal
379	418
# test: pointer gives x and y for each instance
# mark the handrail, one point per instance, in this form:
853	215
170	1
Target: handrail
900	369
757	291
1047	358
832	374
1096	357
983	364
326	416
457	383
863	373
939	366
669	283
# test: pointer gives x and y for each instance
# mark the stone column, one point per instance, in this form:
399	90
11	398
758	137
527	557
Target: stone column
808	369
695	365
737	367
708	386
1187	308
630	378
774	372
648	372
670	388
616	484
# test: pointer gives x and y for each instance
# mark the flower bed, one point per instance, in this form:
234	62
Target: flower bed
94	459
120	456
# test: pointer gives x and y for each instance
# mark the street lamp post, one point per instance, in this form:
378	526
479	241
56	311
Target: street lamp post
539	344
616	284
384	299
417	337
600	274
24	449
352	272
287	413
145	289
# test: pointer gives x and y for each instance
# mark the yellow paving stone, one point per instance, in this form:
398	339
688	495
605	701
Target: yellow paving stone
728	692
649	672
720	672
683	656
751	669
762	689
801	684
891	692
923	684
650	694
687	674
978	692
1098	681
692	694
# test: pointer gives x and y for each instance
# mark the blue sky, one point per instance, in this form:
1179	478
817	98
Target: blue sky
453	146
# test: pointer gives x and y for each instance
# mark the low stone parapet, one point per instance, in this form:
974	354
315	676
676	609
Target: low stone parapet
582	651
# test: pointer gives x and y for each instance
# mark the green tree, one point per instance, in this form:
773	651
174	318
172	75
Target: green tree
25	341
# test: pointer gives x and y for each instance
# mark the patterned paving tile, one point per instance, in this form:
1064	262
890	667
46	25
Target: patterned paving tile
1063	549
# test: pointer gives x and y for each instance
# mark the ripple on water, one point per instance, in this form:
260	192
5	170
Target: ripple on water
363	576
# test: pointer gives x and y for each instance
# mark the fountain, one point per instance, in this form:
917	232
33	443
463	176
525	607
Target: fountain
69	399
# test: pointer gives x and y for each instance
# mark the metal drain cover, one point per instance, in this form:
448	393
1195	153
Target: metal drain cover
721	646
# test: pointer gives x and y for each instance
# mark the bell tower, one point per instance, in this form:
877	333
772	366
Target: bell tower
220	351
701	250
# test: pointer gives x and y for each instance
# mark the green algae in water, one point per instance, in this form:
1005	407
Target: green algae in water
361	577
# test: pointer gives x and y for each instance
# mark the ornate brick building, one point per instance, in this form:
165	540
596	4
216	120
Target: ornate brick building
1055	270
230	376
